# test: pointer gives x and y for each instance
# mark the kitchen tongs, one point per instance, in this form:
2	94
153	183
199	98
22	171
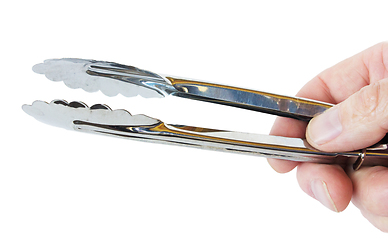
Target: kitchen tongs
112	79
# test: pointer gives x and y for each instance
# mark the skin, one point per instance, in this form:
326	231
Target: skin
359	87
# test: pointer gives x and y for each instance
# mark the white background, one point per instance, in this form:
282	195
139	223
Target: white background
58	184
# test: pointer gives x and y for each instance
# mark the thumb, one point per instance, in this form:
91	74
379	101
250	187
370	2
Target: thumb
358	122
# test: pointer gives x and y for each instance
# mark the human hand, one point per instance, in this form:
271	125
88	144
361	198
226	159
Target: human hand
359	87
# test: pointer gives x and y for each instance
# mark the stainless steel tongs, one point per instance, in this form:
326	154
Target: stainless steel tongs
112	79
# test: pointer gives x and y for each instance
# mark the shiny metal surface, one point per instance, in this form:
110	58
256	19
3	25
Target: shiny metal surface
112	79
107	77
298	108
120	123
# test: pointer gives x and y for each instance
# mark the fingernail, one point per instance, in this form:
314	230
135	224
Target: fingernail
321	193
325	127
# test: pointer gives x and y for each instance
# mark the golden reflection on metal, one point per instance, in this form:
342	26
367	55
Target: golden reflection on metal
176	81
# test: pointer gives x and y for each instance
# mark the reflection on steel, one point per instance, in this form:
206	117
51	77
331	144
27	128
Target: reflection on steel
112	79
101	119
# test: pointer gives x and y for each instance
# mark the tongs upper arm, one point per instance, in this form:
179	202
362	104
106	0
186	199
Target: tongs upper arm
292	107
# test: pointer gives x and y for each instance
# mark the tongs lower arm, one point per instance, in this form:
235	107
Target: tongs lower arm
120	123
243	143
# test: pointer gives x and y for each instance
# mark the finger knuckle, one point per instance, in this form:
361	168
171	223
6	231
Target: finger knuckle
372	102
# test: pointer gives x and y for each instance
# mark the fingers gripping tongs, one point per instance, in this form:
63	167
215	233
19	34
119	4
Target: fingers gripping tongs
112	79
